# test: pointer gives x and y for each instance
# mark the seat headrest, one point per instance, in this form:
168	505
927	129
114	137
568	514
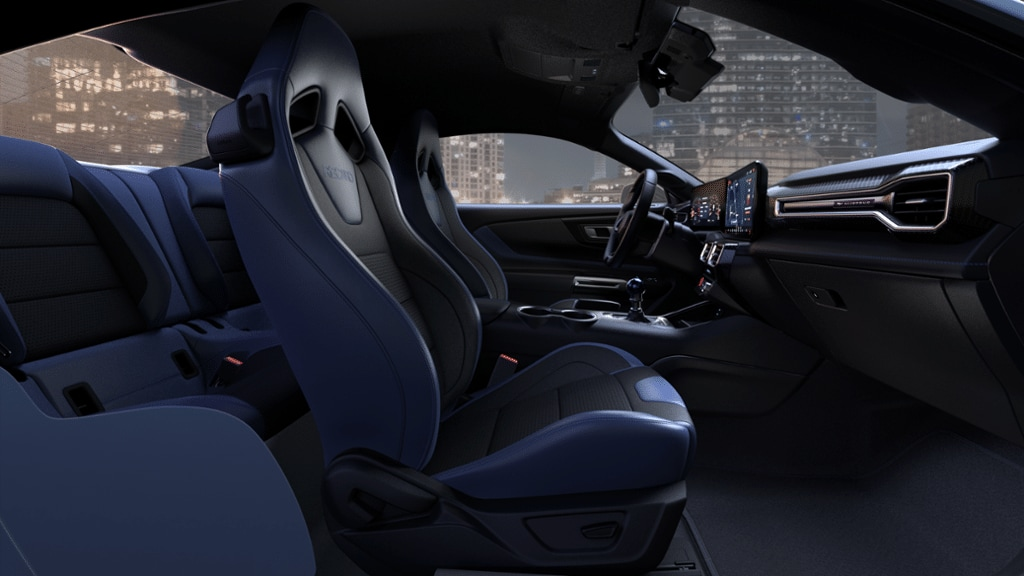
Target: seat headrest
288	71
33	169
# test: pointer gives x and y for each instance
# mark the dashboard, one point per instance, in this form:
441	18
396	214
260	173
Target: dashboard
906	268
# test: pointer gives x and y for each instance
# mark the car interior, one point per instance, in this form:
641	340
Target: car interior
745	346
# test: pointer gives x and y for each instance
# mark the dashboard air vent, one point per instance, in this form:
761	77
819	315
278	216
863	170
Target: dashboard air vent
921	201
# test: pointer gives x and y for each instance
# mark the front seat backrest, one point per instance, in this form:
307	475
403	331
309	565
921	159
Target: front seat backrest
429	206
347	247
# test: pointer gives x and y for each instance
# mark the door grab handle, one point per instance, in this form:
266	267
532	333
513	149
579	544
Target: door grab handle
592	283
597	232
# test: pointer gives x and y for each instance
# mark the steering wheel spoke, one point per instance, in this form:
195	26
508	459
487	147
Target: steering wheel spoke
635	208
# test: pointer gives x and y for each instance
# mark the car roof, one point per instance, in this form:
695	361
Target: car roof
479	65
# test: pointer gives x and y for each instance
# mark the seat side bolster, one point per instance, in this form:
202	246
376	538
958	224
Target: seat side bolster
181	490
588	452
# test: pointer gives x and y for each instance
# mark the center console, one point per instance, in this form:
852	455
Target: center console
720	362
528	332
720	359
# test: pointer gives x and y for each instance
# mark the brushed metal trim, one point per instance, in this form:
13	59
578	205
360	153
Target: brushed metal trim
880	199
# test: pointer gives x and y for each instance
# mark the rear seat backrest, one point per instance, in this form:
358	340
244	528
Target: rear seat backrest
71	277
93	315
234	322
186	211
201	296
195	206
134	191
86	304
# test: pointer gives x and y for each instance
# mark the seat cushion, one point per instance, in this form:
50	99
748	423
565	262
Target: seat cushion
571	422
223	402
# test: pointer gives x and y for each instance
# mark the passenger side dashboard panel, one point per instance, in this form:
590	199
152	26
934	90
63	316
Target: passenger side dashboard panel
933	200
927	301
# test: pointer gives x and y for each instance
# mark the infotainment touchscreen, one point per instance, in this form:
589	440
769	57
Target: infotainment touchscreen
731	204
706	205
744	191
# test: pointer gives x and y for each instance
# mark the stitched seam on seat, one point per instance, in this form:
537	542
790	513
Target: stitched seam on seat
17	548
622	385
66	295
559	410
492	433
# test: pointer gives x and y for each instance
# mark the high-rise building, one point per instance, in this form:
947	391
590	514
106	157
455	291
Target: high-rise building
928	126
67	92
775	102
474	167
600	166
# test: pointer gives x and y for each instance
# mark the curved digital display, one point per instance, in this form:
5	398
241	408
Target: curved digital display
732	204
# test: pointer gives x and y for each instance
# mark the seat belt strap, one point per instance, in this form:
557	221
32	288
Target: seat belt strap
504	367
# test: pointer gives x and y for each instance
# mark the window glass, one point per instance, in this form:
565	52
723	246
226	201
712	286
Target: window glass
527	169
784	105
97	104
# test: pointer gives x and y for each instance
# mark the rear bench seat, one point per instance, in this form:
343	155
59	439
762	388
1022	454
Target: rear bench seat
195	204
100	308
184	210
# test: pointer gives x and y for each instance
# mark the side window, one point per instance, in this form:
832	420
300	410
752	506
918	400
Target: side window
98	104
527	169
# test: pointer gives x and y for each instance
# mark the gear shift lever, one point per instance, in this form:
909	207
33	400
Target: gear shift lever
635	290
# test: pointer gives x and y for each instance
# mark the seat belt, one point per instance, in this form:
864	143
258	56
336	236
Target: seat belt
503	369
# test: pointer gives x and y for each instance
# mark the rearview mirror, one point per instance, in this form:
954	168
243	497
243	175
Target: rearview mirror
682	66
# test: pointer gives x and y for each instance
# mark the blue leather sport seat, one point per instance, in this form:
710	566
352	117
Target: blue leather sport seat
429	207
577	462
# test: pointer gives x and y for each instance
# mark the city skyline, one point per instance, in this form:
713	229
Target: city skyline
100	105
95	102
775	102
474	166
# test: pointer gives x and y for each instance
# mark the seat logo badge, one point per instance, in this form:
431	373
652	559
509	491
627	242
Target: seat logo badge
335	173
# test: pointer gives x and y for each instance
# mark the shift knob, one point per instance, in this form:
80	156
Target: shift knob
635	287
635	291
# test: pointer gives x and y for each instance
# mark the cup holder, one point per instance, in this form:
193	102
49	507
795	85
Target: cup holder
537	316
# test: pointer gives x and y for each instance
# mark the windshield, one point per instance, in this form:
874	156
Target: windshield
98	104
784	105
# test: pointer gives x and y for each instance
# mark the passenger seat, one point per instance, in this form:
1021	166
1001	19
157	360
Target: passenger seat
428	205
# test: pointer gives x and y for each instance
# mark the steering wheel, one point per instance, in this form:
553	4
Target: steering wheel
636	203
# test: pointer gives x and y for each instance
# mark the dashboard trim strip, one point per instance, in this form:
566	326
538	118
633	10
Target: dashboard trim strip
880	199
